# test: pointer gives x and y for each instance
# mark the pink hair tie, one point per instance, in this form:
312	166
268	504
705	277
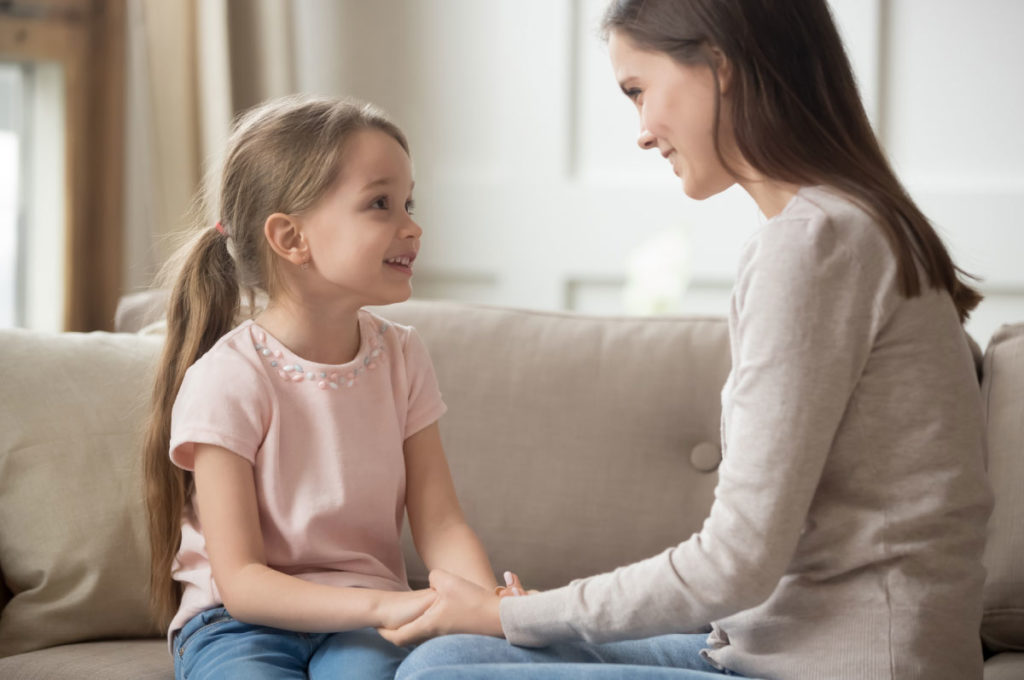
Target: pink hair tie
219	227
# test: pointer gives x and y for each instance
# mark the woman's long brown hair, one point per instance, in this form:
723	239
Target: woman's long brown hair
796	113
283	157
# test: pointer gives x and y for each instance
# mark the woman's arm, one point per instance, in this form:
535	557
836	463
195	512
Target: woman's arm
439	530
255	593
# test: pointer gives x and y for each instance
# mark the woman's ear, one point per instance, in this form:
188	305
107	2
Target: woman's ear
285	238
723	69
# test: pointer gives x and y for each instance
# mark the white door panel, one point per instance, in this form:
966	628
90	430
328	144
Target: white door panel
533	193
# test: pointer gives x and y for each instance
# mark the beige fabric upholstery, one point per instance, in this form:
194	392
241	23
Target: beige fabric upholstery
567	433
1005	666
577	444
72	528
138	310
110	660
1003	390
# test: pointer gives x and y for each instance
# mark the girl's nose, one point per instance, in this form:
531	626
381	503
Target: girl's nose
646	140
412	228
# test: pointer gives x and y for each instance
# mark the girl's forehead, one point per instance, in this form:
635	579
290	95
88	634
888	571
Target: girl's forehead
373	156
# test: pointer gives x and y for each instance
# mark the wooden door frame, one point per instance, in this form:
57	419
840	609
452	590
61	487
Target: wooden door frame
87	37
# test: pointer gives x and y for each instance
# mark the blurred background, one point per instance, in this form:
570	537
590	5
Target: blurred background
530	187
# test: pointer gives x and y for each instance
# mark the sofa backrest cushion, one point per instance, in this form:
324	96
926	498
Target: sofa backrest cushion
577	444
1002	627
73	547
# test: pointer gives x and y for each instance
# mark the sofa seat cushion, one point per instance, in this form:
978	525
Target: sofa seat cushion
1002	627
73	547
1005	666
110	660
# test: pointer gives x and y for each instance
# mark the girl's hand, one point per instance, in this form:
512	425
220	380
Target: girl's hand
398	609
461	607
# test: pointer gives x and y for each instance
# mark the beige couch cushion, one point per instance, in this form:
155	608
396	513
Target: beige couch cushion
566	433
1003	390
113	660
72	525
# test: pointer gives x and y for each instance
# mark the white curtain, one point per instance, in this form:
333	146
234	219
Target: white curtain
192	65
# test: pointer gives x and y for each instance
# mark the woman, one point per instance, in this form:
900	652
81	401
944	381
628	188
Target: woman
848	523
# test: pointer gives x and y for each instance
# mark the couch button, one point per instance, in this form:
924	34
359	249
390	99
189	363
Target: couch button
706	457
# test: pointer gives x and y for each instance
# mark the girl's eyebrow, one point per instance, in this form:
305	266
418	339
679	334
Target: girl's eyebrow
383	181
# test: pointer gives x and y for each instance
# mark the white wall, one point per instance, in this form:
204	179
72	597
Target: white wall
532	191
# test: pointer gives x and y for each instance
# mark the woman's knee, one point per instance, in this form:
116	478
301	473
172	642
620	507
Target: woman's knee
454	650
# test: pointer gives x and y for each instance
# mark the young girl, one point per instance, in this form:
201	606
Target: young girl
299	437
846	535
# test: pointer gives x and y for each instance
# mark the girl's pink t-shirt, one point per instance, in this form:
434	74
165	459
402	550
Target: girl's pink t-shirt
326	446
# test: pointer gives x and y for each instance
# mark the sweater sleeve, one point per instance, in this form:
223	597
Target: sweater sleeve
805	314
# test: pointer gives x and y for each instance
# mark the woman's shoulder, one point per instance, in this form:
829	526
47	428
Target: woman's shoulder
821	224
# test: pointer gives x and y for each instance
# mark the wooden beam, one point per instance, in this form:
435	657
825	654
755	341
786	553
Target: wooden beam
93	279
87	37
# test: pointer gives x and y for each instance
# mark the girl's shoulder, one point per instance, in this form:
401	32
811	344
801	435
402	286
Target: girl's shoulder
389	332
234	359
400	341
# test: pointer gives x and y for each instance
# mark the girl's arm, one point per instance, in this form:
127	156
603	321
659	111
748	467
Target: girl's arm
255	593
439	530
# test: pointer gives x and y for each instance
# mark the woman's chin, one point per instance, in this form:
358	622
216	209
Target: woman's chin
700	191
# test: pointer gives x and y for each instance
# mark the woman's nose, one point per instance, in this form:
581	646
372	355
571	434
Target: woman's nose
646	140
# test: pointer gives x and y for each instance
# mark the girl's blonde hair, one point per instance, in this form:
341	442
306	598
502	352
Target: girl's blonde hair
283	156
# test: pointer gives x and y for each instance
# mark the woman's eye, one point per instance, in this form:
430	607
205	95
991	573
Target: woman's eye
633	93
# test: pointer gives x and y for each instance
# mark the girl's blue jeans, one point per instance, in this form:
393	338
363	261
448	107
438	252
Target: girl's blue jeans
475	657
213	645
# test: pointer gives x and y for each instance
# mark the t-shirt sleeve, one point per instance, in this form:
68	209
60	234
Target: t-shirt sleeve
425	403
223	401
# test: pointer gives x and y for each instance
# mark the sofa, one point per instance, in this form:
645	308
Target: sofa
576	443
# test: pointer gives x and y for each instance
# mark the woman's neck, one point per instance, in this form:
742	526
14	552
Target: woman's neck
771	196
317	335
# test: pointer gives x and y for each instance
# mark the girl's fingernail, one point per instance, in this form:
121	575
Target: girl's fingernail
508	578
517	592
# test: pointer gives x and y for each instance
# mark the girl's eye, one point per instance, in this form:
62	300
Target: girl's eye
410	207
381	203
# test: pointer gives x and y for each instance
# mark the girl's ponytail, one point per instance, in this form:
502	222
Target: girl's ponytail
203	306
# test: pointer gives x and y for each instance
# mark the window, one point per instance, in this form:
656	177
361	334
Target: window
32	215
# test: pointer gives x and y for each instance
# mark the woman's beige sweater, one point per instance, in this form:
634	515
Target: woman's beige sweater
846	535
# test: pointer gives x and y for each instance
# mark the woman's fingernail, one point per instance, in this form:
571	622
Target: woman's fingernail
509	581
517	592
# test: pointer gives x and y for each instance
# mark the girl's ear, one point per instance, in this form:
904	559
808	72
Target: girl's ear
285	238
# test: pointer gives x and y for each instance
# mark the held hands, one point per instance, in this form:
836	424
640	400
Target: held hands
398	609
460	607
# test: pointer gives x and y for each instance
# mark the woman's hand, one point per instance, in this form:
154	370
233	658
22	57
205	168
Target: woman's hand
398	609
461	607
513	587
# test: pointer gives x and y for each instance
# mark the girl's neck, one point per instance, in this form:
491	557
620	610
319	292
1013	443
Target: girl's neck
323	338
